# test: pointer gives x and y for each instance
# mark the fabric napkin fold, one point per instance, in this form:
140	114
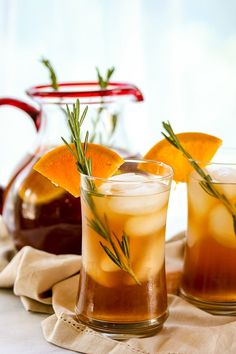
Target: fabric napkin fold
49	283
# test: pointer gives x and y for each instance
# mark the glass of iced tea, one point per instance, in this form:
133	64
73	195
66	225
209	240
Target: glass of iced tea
209	276
122	289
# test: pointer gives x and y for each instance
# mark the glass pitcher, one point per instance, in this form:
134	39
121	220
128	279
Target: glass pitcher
36	212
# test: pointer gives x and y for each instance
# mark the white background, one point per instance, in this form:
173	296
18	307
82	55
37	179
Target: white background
180	53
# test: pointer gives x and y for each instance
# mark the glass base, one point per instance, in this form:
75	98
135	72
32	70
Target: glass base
123	331
213	307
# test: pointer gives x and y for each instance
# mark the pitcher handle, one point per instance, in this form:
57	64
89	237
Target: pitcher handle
27	108
34	114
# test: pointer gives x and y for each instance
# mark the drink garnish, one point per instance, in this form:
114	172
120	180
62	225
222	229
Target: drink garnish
52	73
207	182
103	83
117	251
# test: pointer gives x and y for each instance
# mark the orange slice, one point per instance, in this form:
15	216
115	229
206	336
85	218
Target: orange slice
59	166
202	147
39	190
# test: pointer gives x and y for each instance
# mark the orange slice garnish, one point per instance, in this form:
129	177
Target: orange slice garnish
39	190
59	166
202	147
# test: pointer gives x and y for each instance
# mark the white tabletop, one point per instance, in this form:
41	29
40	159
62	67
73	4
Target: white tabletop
20	331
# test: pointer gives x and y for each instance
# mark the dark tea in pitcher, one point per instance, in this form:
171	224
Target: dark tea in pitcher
42	215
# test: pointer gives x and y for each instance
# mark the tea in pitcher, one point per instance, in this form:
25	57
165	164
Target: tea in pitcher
42	215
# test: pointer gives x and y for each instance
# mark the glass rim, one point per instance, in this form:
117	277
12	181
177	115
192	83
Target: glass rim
194	175
85	89
214	163
155	177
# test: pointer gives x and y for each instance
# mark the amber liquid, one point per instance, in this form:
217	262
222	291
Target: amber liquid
108	293
210	259
210	271
122	303
41	215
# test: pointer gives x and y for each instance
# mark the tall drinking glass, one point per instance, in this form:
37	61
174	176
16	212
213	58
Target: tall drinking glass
122	289
209	276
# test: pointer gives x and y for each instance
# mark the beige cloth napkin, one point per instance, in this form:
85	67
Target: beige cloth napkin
48	283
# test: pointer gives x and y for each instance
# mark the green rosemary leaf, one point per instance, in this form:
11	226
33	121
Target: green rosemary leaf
77	114
103	82
97	227
110	238
125	245
114	120
89	201
83	115
169	139
206	188
52	73
109	73
100	79
119	243
90	165
68	146
111	255
106	222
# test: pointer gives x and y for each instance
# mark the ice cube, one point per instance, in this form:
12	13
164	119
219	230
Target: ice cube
223	174
226	177
145	225
194	233
101	205
116	184
141	194
132	184
107	265
150	261
200	202
139	205
229	190
104	278
92	254
221	226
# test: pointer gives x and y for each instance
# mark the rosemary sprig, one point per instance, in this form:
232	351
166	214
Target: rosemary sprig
54	82
103	84
52	73
104	81
207	182
118	251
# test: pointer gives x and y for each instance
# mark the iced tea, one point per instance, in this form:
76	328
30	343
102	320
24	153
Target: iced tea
209	277
41	215
132	207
